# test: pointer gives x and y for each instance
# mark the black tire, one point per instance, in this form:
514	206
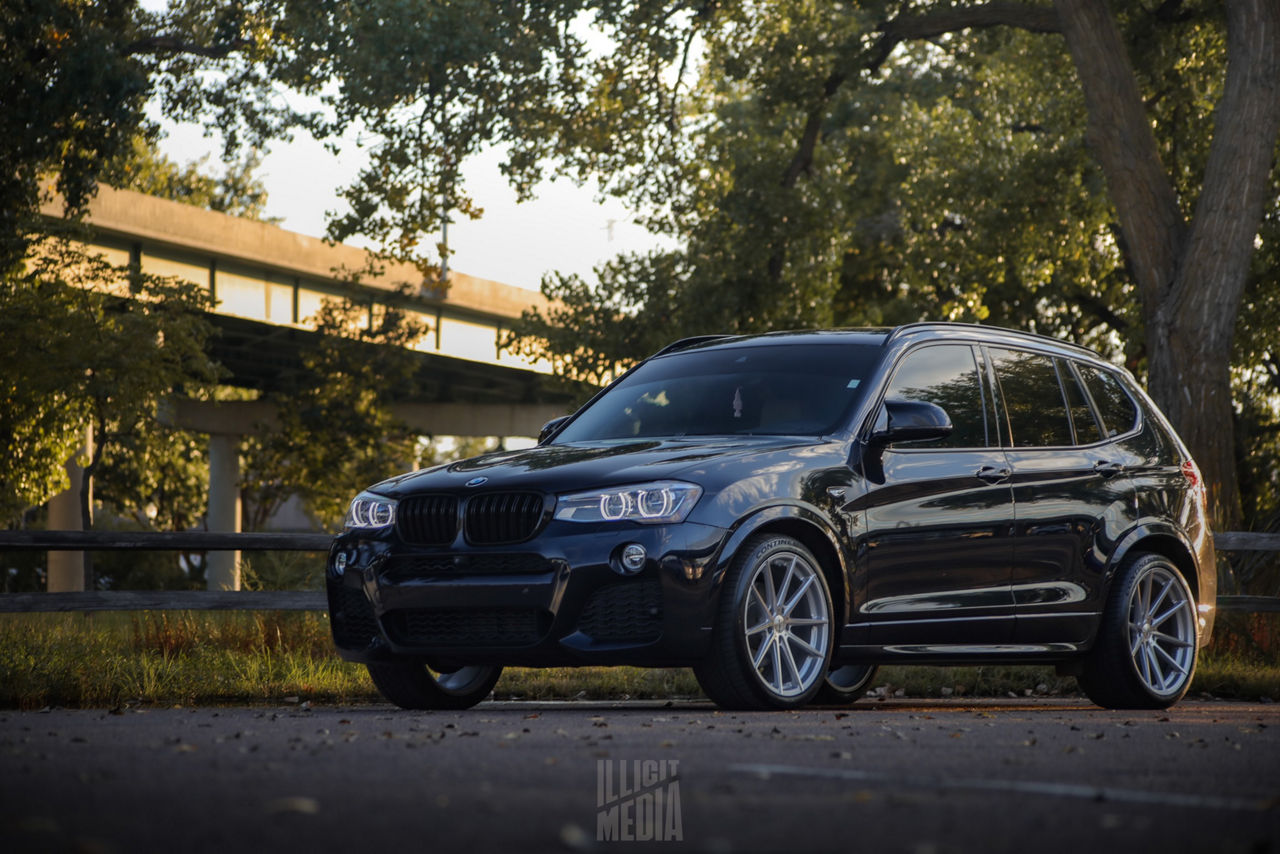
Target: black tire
771	646
1144	656
411	685
845	683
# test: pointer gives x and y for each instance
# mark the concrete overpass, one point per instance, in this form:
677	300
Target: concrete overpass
268	283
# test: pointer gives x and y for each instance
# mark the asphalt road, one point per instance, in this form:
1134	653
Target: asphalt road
920	777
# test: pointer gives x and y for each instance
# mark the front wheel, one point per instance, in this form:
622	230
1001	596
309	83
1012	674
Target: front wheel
771	647
1145	652
412	685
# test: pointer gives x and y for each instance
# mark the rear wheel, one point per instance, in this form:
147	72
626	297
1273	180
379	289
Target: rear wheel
412	685
772	642
1145	652
846	683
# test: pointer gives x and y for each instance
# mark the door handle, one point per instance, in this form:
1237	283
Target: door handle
991	474
1108	468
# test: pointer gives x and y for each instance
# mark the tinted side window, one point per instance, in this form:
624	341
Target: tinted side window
945	375
1033	397
1082	418
1119	412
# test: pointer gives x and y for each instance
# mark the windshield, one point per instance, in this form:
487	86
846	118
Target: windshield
801	389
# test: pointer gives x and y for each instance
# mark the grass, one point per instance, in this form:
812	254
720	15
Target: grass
106	660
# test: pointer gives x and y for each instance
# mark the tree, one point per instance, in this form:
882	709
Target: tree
803	74
78	76
1192	271
84	342
334	426
41	420
748	130
88	344
71	101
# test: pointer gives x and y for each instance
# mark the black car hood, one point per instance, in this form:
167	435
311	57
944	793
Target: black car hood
566	468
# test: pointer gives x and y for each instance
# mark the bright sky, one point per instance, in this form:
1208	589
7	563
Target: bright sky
562	228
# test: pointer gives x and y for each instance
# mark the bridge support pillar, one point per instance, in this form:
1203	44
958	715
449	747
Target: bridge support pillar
223	568
68	570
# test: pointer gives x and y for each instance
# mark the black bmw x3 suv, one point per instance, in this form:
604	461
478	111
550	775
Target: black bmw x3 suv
785	512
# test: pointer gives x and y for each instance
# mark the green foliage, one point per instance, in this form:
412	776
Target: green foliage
818	173
143	344
954	184
72	99
1256	377
427	84
155	477
87	344
594	331
42	419
819	163
78	76
283	570
334	427
1001	215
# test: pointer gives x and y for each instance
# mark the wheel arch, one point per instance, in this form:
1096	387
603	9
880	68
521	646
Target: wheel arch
813	532
1162	540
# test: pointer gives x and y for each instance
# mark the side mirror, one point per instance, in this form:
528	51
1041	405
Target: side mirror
549	429
912	421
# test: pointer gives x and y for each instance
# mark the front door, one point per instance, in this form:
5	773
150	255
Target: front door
938	518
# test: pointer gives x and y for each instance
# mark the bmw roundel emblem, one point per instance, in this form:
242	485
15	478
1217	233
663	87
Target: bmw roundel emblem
476	481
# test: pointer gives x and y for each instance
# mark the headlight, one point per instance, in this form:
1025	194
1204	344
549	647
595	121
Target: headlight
650	503
371	512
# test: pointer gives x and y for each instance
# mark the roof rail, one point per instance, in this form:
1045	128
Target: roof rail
898	331
684	343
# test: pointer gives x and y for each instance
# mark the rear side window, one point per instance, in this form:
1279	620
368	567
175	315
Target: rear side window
1119	412
1082	418
946	375
1037	411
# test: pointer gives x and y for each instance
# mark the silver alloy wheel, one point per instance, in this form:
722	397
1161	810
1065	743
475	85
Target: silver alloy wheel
1162	630
464	680
786	624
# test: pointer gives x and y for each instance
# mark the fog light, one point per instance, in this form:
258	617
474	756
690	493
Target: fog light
633	558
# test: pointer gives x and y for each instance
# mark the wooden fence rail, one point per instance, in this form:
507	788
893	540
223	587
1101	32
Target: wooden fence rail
1246	541
158	541
306	600
165	600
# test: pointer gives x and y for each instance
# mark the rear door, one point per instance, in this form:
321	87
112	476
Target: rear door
1069	492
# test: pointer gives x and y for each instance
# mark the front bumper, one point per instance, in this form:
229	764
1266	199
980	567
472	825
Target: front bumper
557	600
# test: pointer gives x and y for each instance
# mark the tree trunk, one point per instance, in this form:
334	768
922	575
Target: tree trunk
95	435
1190	279
1197	320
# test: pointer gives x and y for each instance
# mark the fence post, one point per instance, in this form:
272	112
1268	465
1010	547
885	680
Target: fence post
224	509
66	569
